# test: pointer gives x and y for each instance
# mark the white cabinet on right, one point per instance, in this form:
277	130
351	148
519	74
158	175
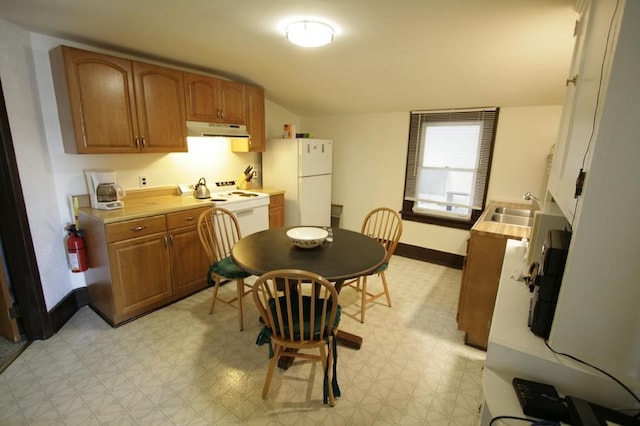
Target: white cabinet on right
596	317
595	33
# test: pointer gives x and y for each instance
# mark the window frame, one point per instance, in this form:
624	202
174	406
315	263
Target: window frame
416	146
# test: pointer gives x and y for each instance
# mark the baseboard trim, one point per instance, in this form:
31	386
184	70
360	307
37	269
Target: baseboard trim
429	255
67	307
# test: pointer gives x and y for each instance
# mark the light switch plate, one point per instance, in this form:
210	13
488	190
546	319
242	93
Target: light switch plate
185	189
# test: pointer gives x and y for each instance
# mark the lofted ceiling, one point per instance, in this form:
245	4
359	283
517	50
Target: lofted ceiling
388	55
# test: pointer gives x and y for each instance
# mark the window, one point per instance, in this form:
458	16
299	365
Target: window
448	163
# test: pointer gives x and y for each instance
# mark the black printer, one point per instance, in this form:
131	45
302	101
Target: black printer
548	281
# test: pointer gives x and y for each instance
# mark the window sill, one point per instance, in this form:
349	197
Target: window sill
408	215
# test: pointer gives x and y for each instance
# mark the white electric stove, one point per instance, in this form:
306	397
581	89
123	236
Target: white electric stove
250	207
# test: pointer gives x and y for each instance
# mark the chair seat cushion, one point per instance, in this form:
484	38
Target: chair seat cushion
306	300
381	268
228	269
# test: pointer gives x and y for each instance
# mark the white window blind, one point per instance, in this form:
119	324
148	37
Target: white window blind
448	161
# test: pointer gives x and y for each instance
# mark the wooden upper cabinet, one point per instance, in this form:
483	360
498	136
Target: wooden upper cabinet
96	96
254	110
254	99
213	100
201	95
96	101
160	107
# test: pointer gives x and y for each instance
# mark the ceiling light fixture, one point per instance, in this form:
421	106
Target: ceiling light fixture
308	33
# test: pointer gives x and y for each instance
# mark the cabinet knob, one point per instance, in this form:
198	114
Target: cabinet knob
138	228
571	80
189	218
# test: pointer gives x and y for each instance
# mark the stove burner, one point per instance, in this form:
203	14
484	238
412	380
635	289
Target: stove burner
244	194
218	199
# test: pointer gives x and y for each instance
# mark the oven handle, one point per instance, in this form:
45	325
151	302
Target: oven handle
244	212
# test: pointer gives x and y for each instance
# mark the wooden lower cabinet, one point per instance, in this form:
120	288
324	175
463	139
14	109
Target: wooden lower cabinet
480	278
276	211
188	258
141	276
136	266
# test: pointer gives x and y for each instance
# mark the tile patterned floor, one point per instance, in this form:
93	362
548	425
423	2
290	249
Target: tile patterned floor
180	366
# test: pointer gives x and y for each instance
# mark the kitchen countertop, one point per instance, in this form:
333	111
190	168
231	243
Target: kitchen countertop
140	203
500	230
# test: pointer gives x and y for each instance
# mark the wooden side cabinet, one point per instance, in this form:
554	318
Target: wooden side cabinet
111	105
276	211
254	105
480	278
136	266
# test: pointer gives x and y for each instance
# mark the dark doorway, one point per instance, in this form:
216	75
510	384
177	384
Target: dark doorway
17	246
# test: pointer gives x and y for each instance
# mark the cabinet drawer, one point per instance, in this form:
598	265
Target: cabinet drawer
135	228
184	218
276	200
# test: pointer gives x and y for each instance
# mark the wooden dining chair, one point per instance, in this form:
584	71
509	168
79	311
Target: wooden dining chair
219	230
385	225
301	315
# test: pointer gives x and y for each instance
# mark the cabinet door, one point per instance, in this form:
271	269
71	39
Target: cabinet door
141	277
232	102
590	67
254	103
276	211
481	277
201	94
189	262
160	107
96	102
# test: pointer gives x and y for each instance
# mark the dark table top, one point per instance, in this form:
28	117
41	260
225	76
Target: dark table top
350	255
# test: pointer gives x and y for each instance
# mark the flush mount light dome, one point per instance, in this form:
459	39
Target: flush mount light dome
308	33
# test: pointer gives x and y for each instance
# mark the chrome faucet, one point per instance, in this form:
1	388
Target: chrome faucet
529	196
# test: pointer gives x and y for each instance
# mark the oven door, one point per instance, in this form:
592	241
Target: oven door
252	219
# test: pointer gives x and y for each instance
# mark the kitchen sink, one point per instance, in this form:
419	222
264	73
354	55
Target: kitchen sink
511	219
514	212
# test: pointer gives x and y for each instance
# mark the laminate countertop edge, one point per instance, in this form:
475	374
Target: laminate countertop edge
155	201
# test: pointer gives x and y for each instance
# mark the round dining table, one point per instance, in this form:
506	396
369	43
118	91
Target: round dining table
350	255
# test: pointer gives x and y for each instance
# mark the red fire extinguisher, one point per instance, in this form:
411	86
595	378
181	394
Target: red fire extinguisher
76	251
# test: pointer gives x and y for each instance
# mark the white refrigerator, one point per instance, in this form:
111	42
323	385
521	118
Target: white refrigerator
302	168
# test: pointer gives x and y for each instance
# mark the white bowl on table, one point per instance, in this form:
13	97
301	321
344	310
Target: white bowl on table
307	236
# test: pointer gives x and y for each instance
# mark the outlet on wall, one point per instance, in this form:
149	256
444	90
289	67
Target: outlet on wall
143	180
255	174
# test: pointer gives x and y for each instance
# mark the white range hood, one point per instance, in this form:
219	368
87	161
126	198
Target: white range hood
198	128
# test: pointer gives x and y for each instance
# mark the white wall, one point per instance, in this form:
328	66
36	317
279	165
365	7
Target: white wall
370	154
276	117
37	174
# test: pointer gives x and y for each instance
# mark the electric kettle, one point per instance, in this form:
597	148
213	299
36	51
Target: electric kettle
201	190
